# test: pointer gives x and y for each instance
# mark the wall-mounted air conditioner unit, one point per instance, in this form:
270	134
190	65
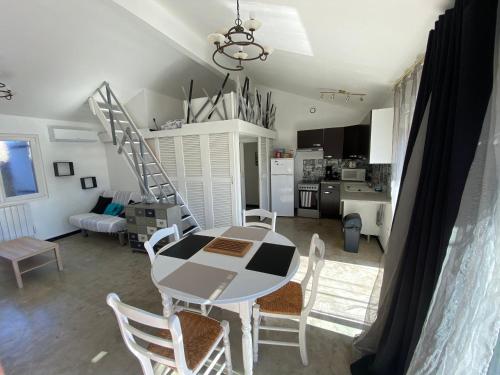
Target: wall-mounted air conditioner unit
71	134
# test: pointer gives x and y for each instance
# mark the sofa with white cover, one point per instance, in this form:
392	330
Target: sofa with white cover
106	223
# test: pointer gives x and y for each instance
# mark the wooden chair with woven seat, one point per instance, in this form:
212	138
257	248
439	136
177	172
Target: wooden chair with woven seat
262	214
186	342
156	238
288	302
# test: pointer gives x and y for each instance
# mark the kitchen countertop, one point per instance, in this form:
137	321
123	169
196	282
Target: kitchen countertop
374	196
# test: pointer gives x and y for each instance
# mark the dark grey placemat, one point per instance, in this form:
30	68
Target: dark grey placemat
187	247
272	258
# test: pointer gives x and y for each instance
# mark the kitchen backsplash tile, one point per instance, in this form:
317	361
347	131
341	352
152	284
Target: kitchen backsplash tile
314	169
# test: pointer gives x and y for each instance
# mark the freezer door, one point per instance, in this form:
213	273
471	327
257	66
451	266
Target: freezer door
282	166
282	194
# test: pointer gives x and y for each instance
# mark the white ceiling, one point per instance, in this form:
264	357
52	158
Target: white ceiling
54	53
361	46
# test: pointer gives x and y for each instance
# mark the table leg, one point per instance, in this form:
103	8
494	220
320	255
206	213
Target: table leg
58	257
246	327
168	306
19	280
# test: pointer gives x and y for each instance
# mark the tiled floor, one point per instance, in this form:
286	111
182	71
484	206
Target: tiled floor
60	321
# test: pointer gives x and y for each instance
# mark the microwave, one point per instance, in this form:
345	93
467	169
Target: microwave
353	174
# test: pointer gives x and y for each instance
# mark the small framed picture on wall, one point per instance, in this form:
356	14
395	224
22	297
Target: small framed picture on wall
63	168
88	182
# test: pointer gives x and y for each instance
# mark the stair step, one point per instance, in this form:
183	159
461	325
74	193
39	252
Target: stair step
185	217
189	230
116	117
159	183
105	107
116	120
131	153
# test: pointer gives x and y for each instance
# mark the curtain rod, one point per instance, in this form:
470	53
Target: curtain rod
409	71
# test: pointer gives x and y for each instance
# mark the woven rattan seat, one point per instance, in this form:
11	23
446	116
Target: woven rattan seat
286	300
199	334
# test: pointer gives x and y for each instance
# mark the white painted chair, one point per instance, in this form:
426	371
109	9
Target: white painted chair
157	237
289	302
261	213
185	343
149	246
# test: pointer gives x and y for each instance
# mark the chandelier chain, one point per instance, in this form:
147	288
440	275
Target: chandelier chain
237	21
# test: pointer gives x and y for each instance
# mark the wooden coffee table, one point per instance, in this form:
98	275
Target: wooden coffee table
27	247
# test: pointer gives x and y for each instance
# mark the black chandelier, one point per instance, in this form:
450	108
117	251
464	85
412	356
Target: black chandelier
241	36
4	92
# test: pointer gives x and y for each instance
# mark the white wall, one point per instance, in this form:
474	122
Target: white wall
120	175
292	114
148	105
162	107
137	109
65	195
251	174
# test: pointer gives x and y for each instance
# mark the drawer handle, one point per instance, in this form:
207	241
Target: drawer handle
316	144
327	192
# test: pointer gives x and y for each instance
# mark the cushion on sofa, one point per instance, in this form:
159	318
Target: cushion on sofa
101	205
113	209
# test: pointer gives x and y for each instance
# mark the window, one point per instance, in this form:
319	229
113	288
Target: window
21	172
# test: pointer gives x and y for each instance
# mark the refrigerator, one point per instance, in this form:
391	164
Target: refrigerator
282	186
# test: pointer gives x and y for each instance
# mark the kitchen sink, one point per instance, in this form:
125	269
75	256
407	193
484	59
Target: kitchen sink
357	187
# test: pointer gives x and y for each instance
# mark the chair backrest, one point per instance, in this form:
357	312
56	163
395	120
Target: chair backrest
315	264
158	236
262	213
125	313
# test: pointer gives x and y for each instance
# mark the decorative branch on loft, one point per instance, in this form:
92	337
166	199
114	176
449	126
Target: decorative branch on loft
242	104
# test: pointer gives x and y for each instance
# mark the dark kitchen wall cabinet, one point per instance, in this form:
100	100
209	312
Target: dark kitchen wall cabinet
310	138
356	141
333	139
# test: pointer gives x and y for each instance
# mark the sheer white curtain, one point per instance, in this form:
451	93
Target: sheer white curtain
405	97
463	323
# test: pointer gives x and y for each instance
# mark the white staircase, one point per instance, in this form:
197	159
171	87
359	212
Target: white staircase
153	181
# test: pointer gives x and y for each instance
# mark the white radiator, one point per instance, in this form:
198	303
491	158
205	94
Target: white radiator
15	222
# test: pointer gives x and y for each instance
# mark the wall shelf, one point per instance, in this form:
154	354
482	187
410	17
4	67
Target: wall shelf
88	182
63	168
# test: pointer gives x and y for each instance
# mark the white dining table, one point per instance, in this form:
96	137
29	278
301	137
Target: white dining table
242	291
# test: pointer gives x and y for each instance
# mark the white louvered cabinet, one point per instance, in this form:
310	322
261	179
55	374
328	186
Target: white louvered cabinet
203	162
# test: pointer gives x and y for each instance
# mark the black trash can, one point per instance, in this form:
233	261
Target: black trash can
352	227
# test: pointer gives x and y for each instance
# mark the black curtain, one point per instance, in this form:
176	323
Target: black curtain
455	88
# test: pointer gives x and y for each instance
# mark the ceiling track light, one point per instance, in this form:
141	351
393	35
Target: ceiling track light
329	94
240	35
4	92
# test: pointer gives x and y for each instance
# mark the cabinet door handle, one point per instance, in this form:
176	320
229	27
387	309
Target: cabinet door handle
327	192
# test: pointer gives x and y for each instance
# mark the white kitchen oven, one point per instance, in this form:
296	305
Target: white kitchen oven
356	174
